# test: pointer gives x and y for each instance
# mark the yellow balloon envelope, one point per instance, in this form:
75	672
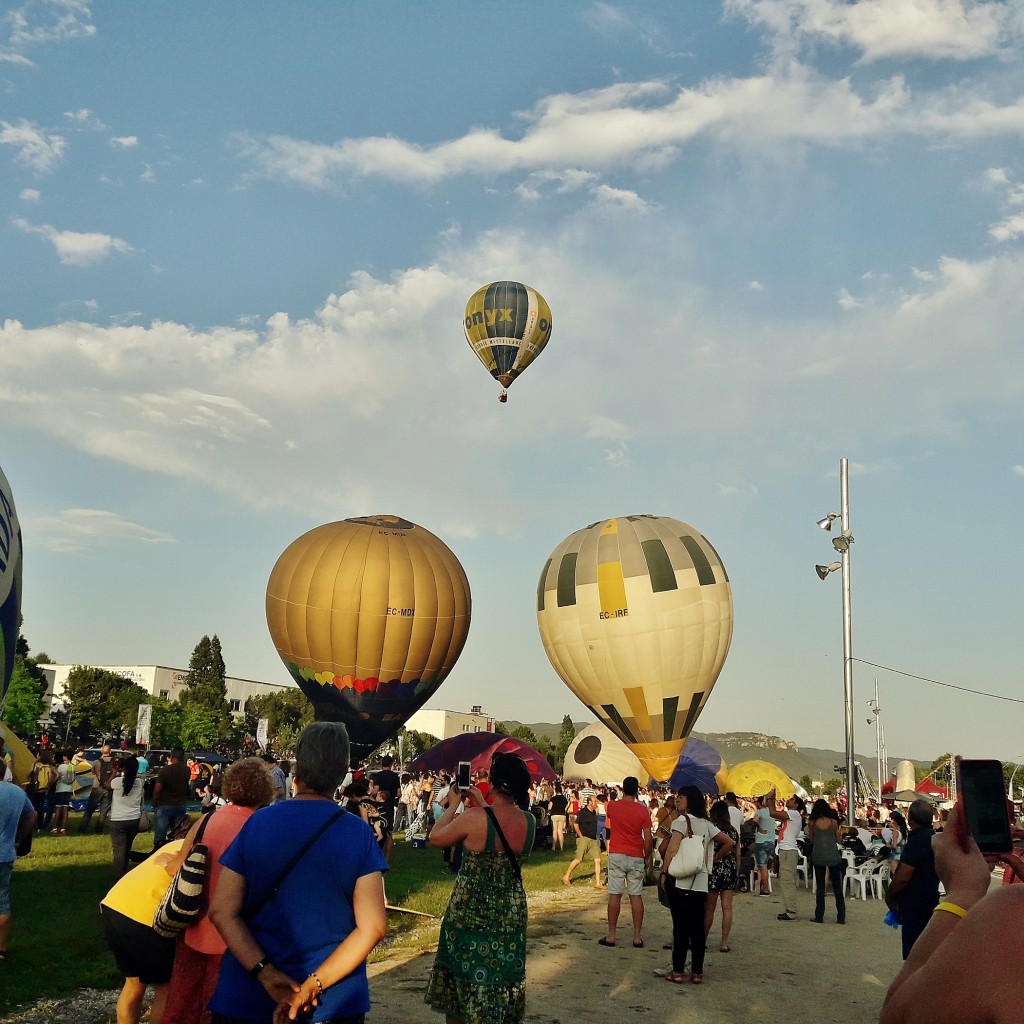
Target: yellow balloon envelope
369	615
507	325
755	778
22	758
635	615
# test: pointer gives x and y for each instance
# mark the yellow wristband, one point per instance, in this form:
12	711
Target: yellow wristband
952	908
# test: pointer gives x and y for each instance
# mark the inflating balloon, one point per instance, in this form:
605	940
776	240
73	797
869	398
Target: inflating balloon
369	615
635	615
755	778
599	755
507	325
10	585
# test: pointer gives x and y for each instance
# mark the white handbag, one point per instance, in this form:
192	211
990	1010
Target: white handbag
691	857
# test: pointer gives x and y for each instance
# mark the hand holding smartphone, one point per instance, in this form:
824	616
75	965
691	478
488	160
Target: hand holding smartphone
464	776
984	813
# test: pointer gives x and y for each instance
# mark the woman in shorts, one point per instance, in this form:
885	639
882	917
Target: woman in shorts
143	958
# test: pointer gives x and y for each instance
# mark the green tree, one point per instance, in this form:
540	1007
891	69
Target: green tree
102	703
24	705
807	783
566	734
200	728
832	786
165	727
287	712
206	691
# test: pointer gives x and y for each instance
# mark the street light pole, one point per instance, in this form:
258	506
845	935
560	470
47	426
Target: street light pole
844	493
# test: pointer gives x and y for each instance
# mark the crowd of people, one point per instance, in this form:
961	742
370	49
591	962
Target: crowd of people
264	951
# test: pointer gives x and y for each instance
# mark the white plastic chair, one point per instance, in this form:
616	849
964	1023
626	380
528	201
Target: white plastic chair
755	881
804	872
867	878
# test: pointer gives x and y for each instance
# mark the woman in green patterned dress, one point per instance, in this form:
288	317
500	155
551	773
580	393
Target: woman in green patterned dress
479	976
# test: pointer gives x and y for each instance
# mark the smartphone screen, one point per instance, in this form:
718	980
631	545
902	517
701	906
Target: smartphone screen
464	777
984	801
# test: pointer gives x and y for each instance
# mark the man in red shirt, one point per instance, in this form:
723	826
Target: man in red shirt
628	855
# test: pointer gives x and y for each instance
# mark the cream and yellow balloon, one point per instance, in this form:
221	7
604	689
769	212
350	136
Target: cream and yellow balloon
369	615
635	615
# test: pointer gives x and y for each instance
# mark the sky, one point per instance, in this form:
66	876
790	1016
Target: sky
236	241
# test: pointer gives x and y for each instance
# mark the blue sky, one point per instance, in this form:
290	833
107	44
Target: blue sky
236	241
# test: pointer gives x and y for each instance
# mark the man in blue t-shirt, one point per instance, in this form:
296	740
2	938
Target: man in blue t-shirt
17	821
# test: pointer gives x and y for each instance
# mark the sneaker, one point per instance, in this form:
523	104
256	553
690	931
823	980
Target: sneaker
768	894
660	972
786	917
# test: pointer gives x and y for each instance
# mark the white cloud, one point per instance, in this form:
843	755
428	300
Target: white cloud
643	125
148	175
76	248
125	141
16	58
78	530
604	428
847	302
884	29
30	195
381	380
1018	470
756	286
59	21
1008	229
84	119
36	149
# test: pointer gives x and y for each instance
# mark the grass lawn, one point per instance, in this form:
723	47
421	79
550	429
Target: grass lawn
57	944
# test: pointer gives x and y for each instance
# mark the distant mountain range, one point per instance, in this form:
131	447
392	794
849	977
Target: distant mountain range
818	763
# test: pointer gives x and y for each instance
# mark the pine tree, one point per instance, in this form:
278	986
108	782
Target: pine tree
205	693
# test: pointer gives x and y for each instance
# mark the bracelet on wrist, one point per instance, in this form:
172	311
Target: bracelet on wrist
951	908
319	983
254	971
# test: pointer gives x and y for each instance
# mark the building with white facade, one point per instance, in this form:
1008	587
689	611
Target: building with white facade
445	724
160	681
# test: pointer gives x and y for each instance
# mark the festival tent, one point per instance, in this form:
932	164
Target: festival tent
478	748
598	754
928	788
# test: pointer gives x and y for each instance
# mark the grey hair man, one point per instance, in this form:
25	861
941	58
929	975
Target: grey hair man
914	889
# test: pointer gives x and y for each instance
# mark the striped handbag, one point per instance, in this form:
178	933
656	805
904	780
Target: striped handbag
183	903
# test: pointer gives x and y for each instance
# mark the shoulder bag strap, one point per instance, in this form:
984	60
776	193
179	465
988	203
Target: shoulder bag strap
250	912
501	835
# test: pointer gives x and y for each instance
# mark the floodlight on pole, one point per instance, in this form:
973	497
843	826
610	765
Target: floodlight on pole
842	545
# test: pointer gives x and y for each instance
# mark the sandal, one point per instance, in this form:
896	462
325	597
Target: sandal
696	979
604	942
725	949
675	977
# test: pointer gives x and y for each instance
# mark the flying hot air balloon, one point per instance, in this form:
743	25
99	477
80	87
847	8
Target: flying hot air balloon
507	325
10	585
635	615
369	616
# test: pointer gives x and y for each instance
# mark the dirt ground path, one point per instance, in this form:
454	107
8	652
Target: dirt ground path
775	972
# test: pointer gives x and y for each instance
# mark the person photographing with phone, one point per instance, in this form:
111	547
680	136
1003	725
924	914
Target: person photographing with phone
973	937
480	969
